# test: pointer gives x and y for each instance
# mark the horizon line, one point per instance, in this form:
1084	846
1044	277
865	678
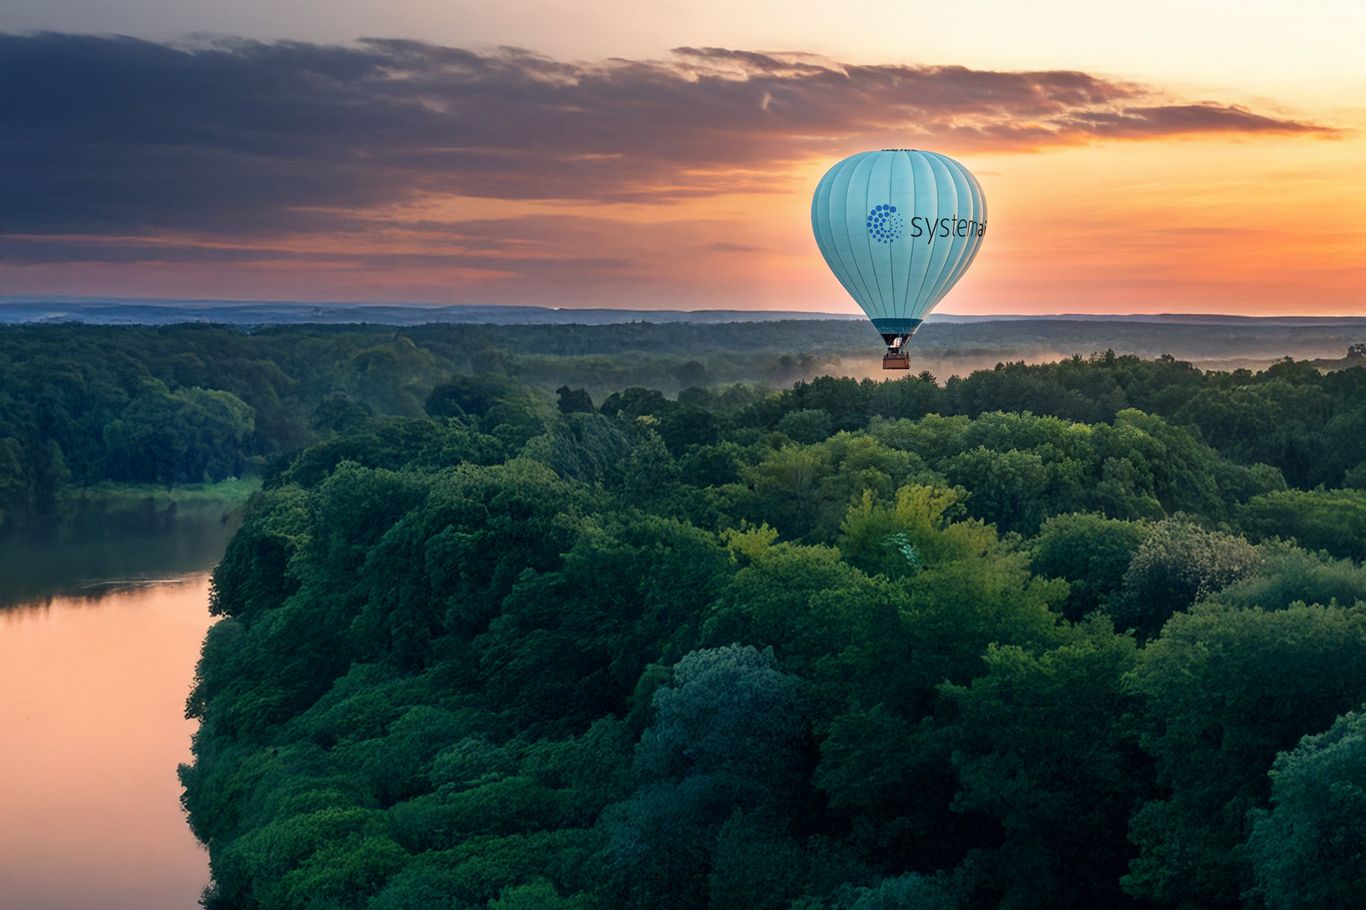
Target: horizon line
169	302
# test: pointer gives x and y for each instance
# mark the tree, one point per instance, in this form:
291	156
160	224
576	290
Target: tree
923	892
1290	575
15	487
471	397
1225	690
724	738
574	401
187	435
583	446
1040	744
1308	850
1332	520
915	532
1177	564
806	425
1273	422
340	414
684	426
728	713
1009	489
912	396
1182	468
635	402
846	400
649	472
1091	552
490	403
802	601
537	895
756	863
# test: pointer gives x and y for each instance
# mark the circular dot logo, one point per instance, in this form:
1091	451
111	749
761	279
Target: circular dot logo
884	224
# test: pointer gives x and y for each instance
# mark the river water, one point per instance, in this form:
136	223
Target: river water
100	626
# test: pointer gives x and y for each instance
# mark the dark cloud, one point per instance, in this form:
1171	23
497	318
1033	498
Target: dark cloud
47	250
1168	119
109	134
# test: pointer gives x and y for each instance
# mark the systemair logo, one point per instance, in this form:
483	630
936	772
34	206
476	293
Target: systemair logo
948	226
886	224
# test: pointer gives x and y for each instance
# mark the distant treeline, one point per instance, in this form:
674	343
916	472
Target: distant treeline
194	403
1083	635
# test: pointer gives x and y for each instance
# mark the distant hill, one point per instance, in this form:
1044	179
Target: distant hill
821	342
253	313
132	311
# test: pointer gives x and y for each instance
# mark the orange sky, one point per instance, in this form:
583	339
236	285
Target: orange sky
1200	158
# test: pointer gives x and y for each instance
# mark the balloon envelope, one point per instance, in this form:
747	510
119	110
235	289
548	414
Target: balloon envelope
898	227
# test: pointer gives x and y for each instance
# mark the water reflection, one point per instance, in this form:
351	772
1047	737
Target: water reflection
93	551
97	651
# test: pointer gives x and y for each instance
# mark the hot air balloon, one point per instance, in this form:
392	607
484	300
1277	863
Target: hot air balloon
898	227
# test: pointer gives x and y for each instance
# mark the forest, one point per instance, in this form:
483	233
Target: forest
1081	634
84	405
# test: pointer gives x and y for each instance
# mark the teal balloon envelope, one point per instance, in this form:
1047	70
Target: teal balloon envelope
898	227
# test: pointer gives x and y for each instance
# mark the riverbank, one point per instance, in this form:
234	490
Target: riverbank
234	491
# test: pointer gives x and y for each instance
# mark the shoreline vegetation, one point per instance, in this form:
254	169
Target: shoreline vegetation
231	491
111	536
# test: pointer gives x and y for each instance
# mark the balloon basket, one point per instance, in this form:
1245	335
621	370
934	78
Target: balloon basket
896	360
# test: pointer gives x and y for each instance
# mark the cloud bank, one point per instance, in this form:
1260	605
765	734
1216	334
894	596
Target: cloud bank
112	136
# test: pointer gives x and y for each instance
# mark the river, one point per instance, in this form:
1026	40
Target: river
101	621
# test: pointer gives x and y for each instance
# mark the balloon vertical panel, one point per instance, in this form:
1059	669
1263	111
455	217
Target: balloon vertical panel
825	236
979	214
879	241
901	255
852	217
961	248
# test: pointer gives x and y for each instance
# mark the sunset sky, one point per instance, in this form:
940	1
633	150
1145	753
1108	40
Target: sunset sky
1164	157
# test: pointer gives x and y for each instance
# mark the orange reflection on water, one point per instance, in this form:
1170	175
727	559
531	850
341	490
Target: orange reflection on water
92	725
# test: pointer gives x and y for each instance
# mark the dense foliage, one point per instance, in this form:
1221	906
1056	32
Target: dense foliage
192	403
1080	635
